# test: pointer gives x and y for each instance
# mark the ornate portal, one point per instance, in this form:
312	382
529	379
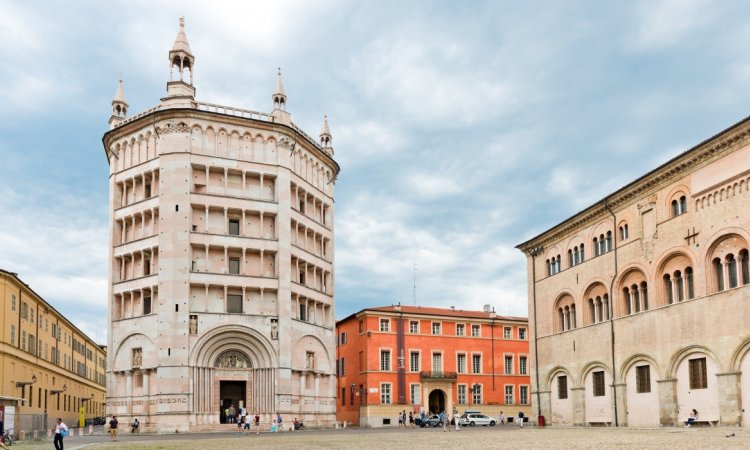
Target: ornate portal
232	359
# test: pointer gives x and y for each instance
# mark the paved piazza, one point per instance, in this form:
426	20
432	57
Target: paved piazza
479	438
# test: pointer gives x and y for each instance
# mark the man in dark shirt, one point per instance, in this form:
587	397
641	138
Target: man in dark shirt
113	429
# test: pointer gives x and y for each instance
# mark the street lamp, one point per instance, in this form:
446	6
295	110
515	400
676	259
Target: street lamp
59	391
84	400
23	384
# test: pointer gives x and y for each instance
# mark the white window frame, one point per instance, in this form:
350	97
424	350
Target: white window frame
419	365
526	371
439	327
512	394
477	400
478	328
481	363
521	388
383	399
463	332
465	389
526	333
380	359
512	364
507	332
387	322
432	360
418	326
461	353
415	399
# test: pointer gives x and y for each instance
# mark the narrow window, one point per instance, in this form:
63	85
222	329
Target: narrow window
436	328
719	274
415	394
675	208
668	288
146	305
234	266
475	330
385	325
524	395
460	329
683	205
413	327
592	310
609	241
598	379
437	362
147	190
522	365
581	255
596	247
571	260
385	360
745	267
303	312
636	298
698	375
461	363
680	287
643	379
477	394
461	394
508	365
234	303
476	363
508	395
522	333
644	293
414	361
732	268
234	227
507	332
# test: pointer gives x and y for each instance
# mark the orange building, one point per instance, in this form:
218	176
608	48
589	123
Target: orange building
396	358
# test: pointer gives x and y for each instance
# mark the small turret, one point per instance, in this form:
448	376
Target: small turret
326	140
279	96
182	61
119	107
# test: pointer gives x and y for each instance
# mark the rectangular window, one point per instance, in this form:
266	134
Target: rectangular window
642	379
234	266
13	302
475	331
436	327
361	361
562	387
413	327
698	375
234	227
343	396
507	332
303	312
146	305
598	378
461	363
343	367
508	395
310	361
137	357
508	365
437	362
32	344
477	394
385	325
385	360
476	363
23	340
385	393
416	398
234	303
12	335
460	329
522	333
524	395
414	361
522	365
343	338
461	394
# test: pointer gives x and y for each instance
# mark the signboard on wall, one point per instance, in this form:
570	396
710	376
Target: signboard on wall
373	390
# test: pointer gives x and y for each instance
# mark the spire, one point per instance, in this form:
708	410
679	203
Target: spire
180	56
119	106
279	96
325	133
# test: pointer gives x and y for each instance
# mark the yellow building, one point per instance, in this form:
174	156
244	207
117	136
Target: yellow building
50	368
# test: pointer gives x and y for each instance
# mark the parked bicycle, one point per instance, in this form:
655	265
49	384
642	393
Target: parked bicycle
7	438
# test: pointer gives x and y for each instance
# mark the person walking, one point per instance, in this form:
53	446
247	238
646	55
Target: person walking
61	430
411	419
455	419
444	420
501	419
113	429
279	422
257	423
520	418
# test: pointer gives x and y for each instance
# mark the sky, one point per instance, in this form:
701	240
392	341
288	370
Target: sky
462	128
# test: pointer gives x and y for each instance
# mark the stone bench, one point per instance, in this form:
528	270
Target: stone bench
599	424
703	423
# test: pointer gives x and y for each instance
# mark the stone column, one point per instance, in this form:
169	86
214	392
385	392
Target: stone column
668	413
730	399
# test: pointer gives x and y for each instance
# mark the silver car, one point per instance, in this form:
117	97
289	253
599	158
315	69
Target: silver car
476	419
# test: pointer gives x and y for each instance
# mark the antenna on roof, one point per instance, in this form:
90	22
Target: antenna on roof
414	294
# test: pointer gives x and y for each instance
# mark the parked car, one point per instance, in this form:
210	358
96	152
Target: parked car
476	419
432	421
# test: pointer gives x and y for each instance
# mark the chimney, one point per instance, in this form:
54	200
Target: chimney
487	308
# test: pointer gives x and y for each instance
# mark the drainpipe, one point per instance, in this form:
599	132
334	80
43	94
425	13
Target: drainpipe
492	331
534	252
611	307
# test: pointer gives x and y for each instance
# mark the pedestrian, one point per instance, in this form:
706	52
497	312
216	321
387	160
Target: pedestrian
274	427
400	420
520	418
279	422
240	424
455	419
231	413
444	421
135	425
61	430
2	433
411	419
113	429
246	427
257	423
693	417
501	419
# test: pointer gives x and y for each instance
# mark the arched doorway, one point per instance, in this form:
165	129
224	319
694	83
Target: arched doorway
437	401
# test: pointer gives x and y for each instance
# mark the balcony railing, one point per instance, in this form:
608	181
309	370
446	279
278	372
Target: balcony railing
438	375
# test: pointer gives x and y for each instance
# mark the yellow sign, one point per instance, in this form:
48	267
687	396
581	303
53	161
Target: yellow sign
82	417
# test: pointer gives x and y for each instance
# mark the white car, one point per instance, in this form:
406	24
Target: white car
476	419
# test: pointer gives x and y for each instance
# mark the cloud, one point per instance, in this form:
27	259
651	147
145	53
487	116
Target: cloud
664	23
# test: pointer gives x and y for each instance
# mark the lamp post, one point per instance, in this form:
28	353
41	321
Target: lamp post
59	391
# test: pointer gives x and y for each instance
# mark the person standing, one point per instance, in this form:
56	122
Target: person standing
279	422
520	418
231	413
455	419
60	431
411	419
113	429
257	423
444	420
501	419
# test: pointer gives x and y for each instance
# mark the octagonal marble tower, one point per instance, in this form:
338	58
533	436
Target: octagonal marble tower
221	260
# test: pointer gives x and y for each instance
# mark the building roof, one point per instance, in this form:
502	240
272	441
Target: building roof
62	316
120	95
432	311
670	169
180	42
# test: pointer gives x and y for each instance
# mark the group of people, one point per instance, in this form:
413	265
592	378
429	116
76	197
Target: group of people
245	422
404	422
